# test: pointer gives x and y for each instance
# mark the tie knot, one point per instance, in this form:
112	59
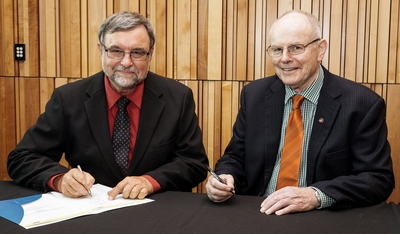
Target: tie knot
297	100
123	102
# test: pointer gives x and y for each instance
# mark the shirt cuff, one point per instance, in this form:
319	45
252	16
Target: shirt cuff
326	201
51	181
153	182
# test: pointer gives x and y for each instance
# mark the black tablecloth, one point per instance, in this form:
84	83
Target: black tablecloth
180	212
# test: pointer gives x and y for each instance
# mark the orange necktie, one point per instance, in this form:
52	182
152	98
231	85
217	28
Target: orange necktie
292	149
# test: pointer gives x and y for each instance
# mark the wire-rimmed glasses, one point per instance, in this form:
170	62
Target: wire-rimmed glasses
277	51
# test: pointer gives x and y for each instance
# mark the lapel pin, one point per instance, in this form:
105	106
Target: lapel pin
321	120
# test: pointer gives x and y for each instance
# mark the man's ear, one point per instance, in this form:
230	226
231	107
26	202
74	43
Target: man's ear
99	46
322	47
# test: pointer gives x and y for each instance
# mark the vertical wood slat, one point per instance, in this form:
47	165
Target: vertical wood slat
393	106
351	40
95	15
28	102
158	15
271	13
8	123
28	33
242	36
361	32
70	38
214	58
383	41
127	5
202	46
335	55
251	40
47	41
84	40
373	41
183	39
325	20
193	39
229	40
393	42
170	39
7	65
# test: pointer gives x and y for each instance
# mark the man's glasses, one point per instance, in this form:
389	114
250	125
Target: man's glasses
135	55
277	51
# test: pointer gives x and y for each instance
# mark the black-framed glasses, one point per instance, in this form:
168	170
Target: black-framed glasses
118	54
277	51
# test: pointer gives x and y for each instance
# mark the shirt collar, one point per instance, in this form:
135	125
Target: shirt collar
311	93
113	96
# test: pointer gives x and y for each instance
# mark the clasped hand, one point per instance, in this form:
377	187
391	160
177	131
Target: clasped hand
76	184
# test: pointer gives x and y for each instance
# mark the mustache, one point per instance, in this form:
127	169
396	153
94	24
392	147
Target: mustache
128	69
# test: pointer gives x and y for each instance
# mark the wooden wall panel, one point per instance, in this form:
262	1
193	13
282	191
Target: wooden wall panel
393	107
393	42
382	48
7	22
158	15
183	39
214	40
351	40
70	38
361	32
8	123
335	44
28	34
95	15
48	41
46	86
27	103
215	47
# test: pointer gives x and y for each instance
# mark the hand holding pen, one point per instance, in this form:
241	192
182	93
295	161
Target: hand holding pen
80	169
219	178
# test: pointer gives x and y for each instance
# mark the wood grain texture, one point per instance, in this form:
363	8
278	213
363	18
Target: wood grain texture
7	29
215	47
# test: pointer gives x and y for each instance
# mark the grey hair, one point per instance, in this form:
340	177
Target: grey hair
124	21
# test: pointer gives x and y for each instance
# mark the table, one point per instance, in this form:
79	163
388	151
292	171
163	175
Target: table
185	212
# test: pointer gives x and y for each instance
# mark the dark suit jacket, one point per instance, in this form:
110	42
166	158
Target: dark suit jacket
349	155
168	147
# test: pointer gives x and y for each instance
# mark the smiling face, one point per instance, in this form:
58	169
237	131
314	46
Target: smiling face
125	74
297	71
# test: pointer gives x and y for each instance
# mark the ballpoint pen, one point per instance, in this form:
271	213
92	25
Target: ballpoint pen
218	178
80	169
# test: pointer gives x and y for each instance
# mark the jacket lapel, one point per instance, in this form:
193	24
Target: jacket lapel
98	121
273	124
325	115
150	113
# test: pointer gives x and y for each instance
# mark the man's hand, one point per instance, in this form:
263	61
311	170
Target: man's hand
132	187
74	183
289	200
217	191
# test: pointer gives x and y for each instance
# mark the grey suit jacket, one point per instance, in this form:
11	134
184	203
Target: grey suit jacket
349	155
168	147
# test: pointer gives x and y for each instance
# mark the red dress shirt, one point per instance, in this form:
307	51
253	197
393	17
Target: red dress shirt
134	115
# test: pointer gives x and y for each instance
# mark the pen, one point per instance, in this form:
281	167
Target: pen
80	169
218	178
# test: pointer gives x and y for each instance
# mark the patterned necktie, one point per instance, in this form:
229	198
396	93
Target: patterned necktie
292	149
121	135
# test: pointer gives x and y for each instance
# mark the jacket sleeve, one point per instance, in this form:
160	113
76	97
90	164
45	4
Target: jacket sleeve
36	157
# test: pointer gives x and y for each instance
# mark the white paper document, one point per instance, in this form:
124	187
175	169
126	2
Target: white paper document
54	207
